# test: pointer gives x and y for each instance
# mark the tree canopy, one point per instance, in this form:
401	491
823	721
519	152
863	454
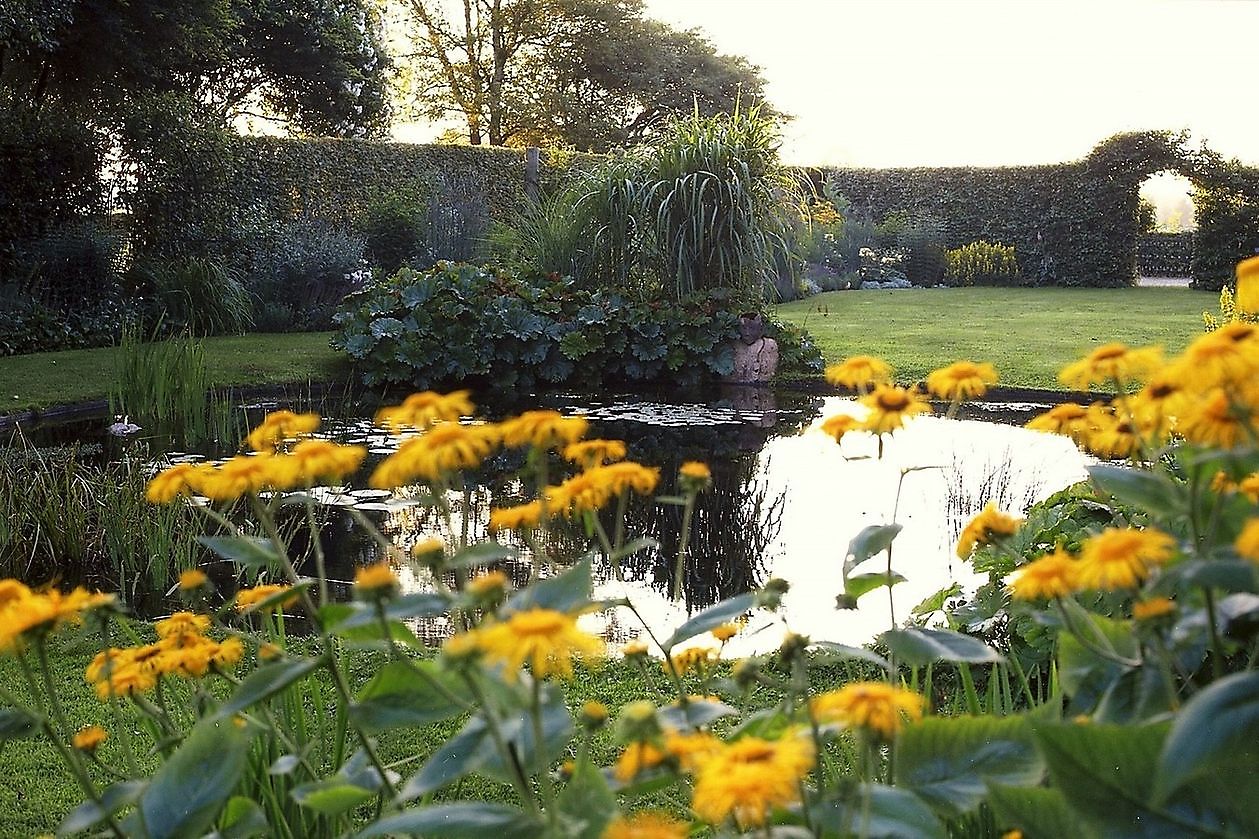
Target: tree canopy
590	74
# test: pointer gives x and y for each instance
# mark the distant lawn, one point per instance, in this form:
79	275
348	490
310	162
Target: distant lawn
56	378
1029	334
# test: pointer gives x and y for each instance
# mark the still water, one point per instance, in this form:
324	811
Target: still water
785	502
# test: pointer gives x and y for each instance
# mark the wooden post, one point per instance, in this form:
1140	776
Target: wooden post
532	179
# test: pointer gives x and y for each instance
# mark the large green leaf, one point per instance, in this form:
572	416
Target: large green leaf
482	553
88	814
466	752
831	649
948	762
412	693
566	592
184	797
871	541
1086	676
245	551
874	811
856	586
1154	492
1215	724
696	713
1039	813
918	646
710	618
267	681
586	803
16	724
243	818
458	820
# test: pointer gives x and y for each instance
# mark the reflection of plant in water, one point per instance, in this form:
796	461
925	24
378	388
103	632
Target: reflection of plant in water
973	486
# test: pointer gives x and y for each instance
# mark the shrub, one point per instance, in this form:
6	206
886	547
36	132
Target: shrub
394	230
924	240
981	263
460	321
74	265
199	295
300	277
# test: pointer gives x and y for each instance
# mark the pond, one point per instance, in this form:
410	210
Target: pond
785	501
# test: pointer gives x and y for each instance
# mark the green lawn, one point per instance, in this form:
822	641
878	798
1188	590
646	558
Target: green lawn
1029	334
58	378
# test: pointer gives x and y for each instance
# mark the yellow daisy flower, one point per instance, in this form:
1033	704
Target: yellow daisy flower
859	372
1053	575
548	640
750	777
589	453
646	825
1121	557
961	380
1155	607
1109	363
1062	419
278	426
986	527
875	706
1247	298
543	429
890	406
424	410
89	739
1247	542
839	425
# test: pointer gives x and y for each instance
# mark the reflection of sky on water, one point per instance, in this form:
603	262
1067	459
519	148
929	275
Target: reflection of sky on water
784	504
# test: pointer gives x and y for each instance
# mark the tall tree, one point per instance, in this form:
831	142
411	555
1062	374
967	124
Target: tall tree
592	74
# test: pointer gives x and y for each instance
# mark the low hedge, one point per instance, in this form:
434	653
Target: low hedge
459	322
1165	254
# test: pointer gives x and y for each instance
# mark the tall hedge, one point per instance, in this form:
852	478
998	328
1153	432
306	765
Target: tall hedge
1071	223
1226	209
1165	254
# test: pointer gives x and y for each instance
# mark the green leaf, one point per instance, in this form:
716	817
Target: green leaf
633	547
1218	722
331	796
935	602
918	646
17	724
710	618
458	820
949	761
356	615
265	682
113	798
1039	813
845	652
871	541
875	811
1141	488
855	587
482	553
185	795
246	551
243	818
696	713
586	803
465	752
409	693
1232	575
1085	675
566	592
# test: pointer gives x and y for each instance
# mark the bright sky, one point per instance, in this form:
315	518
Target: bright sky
956	82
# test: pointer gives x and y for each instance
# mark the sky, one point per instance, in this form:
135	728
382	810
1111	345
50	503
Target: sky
990	82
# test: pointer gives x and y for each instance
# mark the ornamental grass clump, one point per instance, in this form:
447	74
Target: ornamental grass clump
1142	591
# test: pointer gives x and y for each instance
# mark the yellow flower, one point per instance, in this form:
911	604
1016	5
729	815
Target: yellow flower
839	425
1155	607
269	652
1121	557
182	623
594	714
692	749
961	380
594	488
634	649
748	778
594	452
548	640
1156	407
191	579
377	578
874	706
646	825
1248	285
1061	419
637	758
516	518
698	659
1226	356
1247	543
985	528
428	551
860	372
1107	435
487	585
1113	362
89	739
424	410
695	470
1053	575
320	461
279	426
241	475
1215	419
543	429
24	611
442	449
890	406
725	631
629	475
249	598
463	646
1249	487
171	483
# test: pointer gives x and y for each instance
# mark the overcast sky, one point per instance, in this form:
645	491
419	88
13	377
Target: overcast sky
951	82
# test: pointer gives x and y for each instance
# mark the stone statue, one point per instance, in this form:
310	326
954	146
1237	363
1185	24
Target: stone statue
755	355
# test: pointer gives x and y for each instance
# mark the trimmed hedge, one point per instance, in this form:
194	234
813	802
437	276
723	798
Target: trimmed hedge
459	322
1165	254
1071	224
1226	208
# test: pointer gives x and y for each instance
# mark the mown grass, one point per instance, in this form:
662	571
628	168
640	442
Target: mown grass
41	380
1029	334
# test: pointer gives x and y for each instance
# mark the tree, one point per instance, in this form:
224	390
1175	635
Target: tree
592	74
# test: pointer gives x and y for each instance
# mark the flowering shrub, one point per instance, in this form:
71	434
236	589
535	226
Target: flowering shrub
1153	698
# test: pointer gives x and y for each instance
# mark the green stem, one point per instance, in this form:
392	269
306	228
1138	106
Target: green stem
683	539
546	782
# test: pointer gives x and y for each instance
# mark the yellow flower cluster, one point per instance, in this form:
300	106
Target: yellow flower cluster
89	738
546	639
376	579
591	453
543	429
182	649
442	449
279	426
311	462
586	491
859	372
647	824
25	613
1117	558
961	380
877	707
989	525
251	598
424	410
746	779
1112	364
